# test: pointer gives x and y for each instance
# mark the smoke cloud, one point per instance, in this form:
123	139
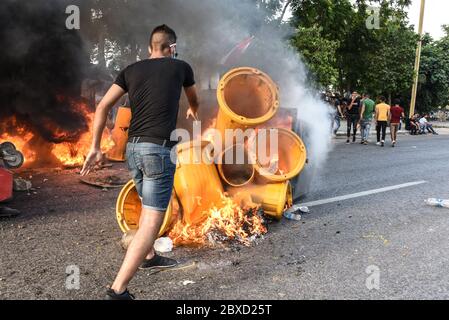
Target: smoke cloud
42	66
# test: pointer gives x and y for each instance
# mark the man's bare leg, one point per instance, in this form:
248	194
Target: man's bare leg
151	252
139	248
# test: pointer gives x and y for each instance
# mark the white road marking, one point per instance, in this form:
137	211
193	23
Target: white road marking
360	194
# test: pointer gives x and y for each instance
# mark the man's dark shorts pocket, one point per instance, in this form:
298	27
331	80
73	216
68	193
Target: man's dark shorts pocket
153	165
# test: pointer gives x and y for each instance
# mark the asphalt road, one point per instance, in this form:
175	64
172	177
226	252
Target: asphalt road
324	256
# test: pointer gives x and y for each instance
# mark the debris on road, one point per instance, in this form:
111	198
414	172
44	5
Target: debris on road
187	282
292	216
163	245
21	184
440	203
385	241
6	212
298	209
105	179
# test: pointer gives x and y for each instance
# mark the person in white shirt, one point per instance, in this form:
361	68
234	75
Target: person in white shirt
424	124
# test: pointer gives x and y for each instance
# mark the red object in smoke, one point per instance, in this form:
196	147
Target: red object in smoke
6	184
234	55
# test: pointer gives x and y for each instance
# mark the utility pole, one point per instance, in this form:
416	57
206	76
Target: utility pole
417	60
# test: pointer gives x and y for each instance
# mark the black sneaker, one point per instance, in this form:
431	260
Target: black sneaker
158	262
111	295
347	141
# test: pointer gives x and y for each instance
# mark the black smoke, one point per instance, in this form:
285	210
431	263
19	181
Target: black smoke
42	65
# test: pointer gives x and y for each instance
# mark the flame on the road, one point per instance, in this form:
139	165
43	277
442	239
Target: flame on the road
72	154
229	222
20	138
68	153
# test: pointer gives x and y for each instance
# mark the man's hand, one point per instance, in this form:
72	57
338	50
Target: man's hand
93	158
194	104
193	114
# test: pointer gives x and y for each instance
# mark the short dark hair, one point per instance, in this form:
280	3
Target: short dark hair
397	102
382	99
170	36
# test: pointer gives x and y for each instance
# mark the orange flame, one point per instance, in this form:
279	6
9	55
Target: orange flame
230	222
68	153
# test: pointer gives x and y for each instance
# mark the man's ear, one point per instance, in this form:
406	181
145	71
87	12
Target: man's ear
149	50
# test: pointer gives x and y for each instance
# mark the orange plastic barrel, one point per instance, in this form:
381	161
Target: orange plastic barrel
273	197
234	166
129	207
120	134
282	163
247	97
197	183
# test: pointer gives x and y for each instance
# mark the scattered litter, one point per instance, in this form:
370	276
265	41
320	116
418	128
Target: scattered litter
297	209
292	216
21	184
376	236
104	180
163	245
187	282
437	203
180	267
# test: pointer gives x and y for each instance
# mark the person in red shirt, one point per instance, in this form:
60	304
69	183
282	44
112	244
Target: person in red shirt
396	112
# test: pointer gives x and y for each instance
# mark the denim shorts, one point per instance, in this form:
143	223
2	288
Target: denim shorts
153	173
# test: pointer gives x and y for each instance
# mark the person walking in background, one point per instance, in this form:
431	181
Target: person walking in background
366	115
353	116
396	113
382	117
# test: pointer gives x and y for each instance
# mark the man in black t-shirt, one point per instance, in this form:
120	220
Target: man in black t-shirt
154	88
353	115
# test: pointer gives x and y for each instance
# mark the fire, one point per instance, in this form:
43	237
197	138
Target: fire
20	137
230	222
68	153
72	154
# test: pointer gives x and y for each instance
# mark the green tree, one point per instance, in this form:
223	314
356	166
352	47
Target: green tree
361	50
319	54
433	85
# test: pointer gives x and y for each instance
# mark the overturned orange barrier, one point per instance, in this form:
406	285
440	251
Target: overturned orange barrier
120	134
197	184
129	207
285	162
235	175
273	197
247	97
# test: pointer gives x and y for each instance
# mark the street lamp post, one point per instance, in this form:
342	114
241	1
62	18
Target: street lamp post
417	60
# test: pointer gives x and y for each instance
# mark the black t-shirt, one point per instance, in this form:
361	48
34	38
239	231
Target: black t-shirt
154	89
355	110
